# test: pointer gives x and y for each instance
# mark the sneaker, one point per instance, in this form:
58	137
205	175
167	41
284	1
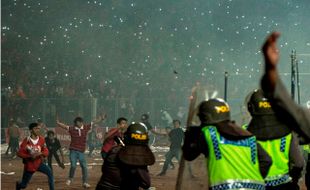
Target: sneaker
62	165
68	182
86	185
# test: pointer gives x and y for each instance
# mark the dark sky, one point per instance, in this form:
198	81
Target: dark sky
154	44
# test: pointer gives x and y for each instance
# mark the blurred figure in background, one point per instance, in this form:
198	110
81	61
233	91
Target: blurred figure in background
14	135
152	131
54	146
44	129
119	131
176	137
92	140
166	117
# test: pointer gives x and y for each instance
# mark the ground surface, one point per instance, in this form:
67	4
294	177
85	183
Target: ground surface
11	171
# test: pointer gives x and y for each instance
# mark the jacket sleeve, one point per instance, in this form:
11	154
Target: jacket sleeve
58	145
22	152
286	109
296	159
264	160
194	144
44	149
111	134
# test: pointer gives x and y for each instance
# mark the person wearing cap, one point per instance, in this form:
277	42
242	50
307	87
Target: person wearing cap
234	159
78	133
33	151
277	140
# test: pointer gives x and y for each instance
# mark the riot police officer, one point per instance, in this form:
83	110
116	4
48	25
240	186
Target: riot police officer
234	159
277	139
125	166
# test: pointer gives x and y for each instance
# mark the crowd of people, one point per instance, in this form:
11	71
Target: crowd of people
262	154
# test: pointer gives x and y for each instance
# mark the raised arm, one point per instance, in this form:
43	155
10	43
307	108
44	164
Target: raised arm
158	133
271	57
62	125
111	134
285	107
100	118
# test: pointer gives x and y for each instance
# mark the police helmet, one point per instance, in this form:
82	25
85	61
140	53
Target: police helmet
213	111
136	134
258	104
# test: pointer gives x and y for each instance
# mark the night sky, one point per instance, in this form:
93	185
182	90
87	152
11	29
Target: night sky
158	47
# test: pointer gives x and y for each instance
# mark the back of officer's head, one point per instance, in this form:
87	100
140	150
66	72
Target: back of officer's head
136	134
213	111
258	104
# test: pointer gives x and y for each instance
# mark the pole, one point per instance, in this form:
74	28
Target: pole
293	74
298	83
191	113
225	85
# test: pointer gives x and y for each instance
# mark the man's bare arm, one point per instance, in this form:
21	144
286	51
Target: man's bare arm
285	107
100	118
62	125
271	56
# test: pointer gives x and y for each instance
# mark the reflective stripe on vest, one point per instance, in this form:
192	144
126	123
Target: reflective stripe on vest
280	180
278	149
238	185
232	163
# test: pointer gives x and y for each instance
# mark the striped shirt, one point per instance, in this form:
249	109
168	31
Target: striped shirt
78	137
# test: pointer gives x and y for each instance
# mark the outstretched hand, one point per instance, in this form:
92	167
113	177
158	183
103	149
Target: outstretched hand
57	119
270	51
103	116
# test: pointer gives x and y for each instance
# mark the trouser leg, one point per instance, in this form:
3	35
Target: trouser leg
47	171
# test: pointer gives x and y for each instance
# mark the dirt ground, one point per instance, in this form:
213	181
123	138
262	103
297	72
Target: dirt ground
11	171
